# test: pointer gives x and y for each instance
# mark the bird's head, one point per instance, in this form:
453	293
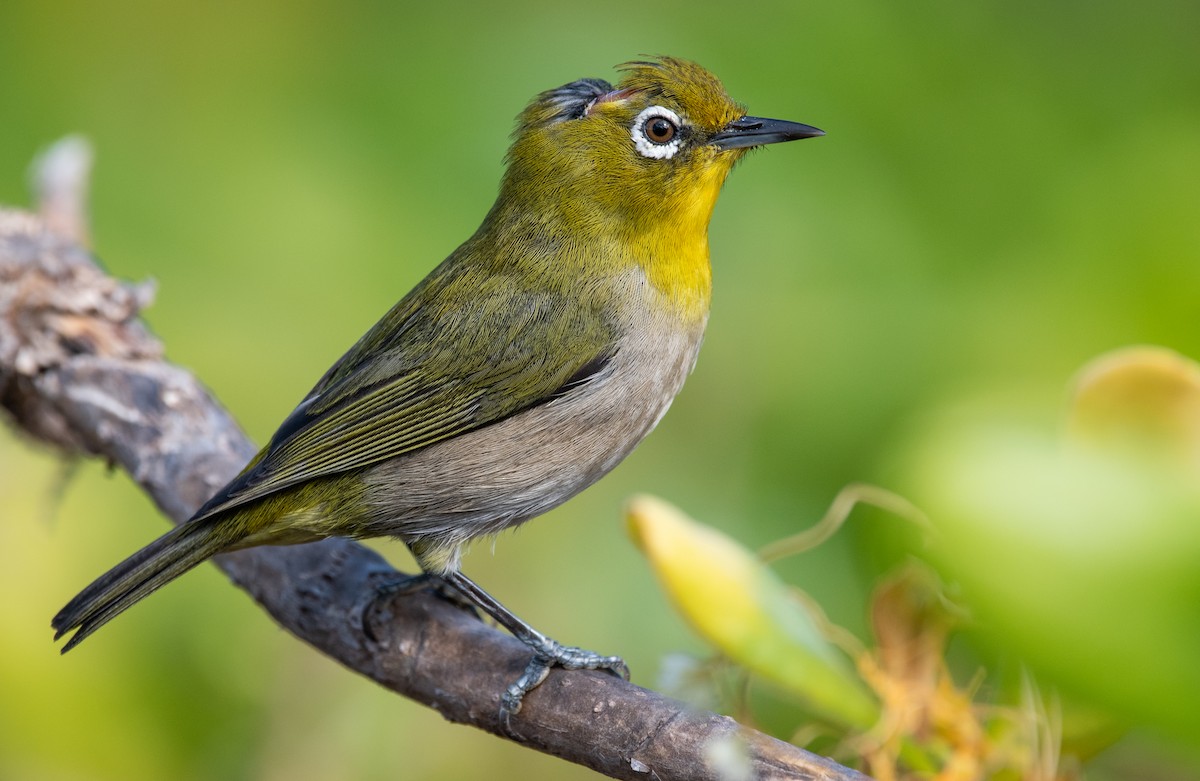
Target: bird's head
650	152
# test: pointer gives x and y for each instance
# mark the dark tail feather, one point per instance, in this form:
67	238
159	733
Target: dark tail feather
137	577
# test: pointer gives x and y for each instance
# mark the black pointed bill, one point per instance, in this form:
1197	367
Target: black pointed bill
757	131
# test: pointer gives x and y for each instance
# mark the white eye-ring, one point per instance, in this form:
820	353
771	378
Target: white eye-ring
656	133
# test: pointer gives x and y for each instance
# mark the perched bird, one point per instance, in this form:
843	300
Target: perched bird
520	371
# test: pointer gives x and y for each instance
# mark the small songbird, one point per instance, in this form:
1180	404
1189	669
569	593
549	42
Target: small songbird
520	371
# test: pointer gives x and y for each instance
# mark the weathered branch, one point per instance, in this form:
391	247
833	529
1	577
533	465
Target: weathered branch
79	371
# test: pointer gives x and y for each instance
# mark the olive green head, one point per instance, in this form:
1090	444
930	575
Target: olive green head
657	146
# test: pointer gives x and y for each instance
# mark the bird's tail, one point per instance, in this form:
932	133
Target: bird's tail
137	577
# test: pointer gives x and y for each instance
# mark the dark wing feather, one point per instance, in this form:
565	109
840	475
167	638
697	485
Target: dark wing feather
462	360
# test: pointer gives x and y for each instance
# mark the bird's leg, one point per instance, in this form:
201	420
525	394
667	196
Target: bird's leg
404	584
410	584
547	652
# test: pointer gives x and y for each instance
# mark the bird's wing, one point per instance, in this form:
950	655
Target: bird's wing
424	374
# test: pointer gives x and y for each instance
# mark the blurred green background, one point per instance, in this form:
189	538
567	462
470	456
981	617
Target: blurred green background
1006	190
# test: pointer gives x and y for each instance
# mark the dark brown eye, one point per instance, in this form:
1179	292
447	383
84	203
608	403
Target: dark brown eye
657	133
660	130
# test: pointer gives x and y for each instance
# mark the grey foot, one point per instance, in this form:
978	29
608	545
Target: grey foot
403	584
549	653
410	584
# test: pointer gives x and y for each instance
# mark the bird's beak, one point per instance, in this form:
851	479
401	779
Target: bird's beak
757	131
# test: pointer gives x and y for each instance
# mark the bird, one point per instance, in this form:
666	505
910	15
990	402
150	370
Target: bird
522	369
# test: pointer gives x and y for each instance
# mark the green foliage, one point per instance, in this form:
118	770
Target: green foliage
1077	547
1072	552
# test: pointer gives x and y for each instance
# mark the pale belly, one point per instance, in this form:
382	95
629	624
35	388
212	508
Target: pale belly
503	474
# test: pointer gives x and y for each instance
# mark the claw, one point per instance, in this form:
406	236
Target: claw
535	672
402	584
550	653
547	653
410	584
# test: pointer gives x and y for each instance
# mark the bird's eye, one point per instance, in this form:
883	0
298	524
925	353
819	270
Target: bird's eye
660	130
657	133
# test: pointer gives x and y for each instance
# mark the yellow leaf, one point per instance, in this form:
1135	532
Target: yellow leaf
740	606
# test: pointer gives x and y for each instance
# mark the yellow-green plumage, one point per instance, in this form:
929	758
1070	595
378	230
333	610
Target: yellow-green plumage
523	368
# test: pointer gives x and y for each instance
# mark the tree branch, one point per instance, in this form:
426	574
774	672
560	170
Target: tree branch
79	371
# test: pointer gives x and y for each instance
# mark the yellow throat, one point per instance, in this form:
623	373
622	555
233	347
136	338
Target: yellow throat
573	169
